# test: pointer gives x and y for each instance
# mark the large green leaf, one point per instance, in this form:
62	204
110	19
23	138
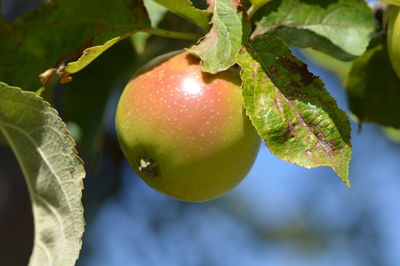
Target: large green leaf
341	28
219	47
373	87
293	113
186	9
53	173
60	29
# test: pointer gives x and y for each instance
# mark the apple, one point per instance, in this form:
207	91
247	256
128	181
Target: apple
185	132
394	37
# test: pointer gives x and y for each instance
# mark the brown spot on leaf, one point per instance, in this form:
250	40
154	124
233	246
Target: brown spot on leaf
306	77
291	127
321	136
279	104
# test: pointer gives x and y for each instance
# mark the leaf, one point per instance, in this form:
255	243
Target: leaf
185	8
256	4
53	173
293	113
87	57
393	2
259	2
373	87
340	68
340	28
392	134
156	12
59	30
219	47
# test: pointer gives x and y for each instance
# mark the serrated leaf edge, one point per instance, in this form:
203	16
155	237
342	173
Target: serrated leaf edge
80	172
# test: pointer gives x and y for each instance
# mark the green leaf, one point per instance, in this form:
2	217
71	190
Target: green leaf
59	30
392	134
334	65
393	2
256	4
259	2
340	28
185	8
53	173
87	57
156	12
293	113
219	47
373	87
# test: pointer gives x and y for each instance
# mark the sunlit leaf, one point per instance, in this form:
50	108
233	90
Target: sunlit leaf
53	173
259	2
186	9
341	28
291	110
373	87
219	47
87	57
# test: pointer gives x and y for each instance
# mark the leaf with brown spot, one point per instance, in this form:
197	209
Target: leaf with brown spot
293	113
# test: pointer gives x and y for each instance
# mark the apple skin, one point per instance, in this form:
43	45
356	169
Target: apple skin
185	132
393	38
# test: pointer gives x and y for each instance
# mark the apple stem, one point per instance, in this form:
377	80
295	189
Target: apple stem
173	34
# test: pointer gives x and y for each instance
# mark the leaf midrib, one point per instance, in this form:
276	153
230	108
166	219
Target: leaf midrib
24	170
